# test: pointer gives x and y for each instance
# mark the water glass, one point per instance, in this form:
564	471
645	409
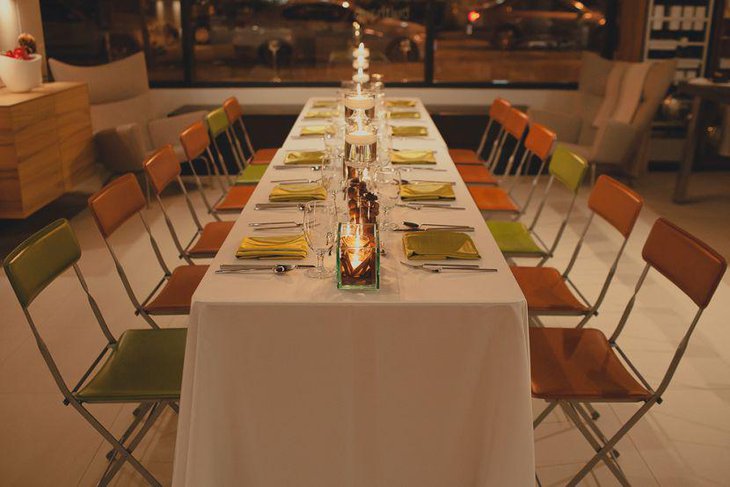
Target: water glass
387	183
320	231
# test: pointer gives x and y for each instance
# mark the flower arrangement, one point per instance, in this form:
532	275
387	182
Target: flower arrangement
20	68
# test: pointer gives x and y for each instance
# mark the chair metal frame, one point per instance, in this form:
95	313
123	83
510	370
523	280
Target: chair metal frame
146	412
234	150
578	411
207	157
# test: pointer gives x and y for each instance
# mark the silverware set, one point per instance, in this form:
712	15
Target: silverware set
275	225
436	268
425	181
420	206
425	227
311	167
279	206
252	268
411	168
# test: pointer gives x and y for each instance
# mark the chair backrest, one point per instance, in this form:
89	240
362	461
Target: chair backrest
162	168
568	168
690	264
615	203
195	140
217	122
516	123
540	141
233	109
36	262
499	110
116	203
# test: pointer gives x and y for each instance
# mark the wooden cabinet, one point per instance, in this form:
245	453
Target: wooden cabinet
46	146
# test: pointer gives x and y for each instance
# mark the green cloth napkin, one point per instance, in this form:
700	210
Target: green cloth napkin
409	131
279	247
324	104
314	130
439	246
400	103
412	157
320	114
298	192
427	191
252	174
402	115
304	157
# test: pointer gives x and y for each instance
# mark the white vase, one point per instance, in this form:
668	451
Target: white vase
19	75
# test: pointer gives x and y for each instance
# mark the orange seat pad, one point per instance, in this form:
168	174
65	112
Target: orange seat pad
176	294
579	364
264	156
236	198
547	291
489	198
471	173
210	241
465	156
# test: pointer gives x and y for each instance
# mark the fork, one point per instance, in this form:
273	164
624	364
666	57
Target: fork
419	206
448	267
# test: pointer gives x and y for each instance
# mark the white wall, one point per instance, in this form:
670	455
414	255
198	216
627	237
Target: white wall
168	99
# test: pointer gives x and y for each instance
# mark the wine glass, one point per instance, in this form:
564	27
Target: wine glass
387	186
320	231
385	143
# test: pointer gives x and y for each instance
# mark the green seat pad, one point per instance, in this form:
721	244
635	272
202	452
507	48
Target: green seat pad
144	365
514	238
252	174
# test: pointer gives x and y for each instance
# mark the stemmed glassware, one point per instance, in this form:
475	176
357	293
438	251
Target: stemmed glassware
387	182
385	143
320	231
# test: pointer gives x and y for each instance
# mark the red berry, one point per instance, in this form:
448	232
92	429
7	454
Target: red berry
20	53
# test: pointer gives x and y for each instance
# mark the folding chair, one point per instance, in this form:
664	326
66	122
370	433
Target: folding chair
497	115
241	137
218	128
142	367
517	240
548	291
162	168
114	205
197	146
572	367
538	143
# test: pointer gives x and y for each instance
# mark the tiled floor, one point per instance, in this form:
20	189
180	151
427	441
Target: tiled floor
684	441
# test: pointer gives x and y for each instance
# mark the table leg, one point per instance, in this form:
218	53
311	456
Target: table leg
690	150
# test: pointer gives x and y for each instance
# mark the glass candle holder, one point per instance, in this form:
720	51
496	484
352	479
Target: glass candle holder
360	99
361	142
358	257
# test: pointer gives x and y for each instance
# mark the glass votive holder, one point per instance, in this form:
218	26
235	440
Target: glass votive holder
358	256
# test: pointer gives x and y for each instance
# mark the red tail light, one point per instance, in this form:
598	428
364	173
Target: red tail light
473	16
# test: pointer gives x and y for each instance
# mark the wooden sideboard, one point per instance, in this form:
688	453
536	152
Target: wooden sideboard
46	145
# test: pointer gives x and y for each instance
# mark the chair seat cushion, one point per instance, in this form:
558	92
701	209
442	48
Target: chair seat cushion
176	294
514	239
546	291
264	156
236	198
210	241
579	364
465	156
475	174
489	198
252	174
145	365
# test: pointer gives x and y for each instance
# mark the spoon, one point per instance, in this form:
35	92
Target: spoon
433	225
279	206
420	206
276	269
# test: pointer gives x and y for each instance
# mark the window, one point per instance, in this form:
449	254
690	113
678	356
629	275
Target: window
189	42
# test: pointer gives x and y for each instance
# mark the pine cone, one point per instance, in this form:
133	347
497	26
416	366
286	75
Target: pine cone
27	42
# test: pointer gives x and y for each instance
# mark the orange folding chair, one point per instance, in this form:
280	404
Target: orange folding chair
113	206
162	168
548	291
197	146
572	367
241	136
497	115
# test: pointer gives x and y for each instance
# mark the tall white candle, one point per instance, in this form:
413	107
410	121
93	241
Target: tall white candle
361	77
361	51
360	62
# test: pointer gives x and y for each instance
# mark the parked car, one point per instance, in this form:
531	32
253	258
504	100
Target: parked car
556	24
313	31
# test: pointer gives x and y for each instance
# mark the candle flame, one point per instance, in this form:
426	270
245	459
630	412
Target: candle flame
361	47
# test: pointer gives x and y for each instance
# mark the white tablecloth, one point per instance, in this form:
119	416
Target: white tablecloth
291	382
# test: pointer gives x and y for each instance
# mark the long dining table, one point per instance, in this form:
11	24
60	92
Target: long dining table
289	381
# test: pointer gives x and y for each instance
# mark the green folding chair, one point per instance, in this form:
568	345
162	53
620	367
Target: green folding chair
218	126
514	238
142	367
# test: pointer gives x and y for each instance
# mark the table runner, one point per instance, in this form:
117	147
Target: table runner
291	382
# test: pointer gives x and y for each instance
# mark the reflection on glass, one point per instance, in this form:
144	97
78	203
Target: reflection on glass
305	40
517	40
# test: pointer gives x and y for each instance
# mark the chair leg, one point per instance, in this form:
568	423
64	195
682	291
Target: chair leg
588	420
126	455
139	413
593	175
544	414
118	463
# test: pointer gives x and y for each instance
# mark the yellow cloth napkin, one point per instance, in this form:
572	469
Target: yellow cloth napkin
324	104
402	115
412	157
314	130
439	246
298	192
400	103
304	157
427	191
409	131
319	114
279	247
